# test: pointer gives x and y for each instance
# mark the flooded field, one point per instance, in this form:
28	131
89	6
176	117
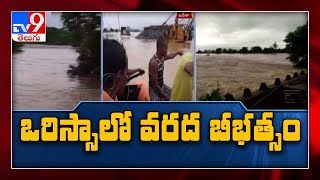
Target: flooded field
140	52
234	72
40	81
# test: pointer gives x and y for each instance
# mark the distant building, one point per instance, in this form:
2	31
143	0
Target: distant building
125	31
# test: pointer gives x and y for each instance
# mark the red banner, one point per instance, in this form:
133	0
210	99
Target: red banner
184	15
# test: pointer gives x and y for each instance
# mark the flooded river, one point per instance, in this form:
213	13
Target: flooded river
140	52
40	81
234	72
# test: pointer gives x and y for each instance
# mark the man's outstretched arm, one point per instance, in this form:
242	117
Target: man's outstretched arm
173	55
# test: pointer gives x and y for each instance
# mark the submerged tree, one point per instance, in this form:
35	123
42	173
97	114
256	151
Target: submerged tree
85	28
275	46
297	46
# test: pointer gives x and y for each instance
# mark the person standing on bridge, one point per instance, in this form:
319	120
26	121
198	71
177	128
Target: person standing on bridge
157	89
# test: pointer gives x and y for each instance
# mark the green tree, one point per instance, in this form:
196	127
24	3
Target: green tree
268	50
199	52
218	51
297	46
215	95
275	46
85	29
57	36
256	49
244	50
206	51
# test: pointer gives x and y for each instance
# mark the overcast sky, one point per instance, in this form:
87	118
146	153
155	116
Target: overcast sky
54	19
236	30
138	20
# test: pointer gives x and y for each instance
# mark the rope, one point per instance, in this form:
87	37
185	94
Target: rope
169	18
191	22
180	20
266	96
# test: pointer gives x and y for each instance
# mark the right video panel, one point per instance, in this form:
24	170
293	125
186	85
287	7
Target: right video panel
258	58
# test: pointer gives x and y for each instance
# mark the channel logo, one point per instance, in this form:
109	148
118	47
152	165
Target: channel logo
184	15
28	26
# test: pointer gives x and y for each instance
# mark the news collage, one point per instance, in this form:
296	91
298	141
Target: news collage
160	90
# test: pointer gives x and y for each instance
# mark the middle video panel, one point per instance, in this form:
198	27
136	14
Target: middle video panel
148	56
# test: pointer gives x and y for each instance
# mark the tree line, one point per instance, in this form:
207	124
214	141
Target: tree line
296	47
245	50
117	30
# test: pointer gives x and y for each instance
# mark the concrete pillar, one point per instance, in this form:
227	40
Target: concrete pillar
288	77
263	86
277	81
247	92
228	97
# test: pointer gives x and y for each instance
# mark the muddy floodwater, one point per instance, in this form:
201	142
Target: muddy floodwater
40	81
140	52
235	72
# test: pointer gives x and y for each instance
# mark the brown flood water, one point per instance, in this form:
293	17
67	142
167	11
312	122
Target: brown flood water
40	81
235	72
140	52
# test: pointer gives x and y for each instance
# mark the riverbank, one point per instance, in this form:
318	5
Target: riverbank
235	72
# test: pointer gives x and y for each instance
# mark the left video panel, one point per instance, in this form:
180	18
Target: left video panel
62	71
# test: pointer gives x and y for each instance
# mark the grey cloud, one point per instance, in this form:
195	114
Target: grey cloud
235	30
137	20
53	19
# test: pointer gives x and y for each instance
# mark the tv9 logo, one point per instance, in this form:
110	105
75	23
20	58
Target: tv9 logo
28	26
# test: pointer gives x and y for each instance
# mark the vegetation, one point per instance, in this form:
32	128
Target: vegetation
297	46
215	95
245	50
85	30
57	36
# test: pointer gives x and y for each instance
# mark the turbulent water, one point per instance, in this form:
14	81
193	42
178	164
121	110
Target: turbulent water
234	72
40	81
